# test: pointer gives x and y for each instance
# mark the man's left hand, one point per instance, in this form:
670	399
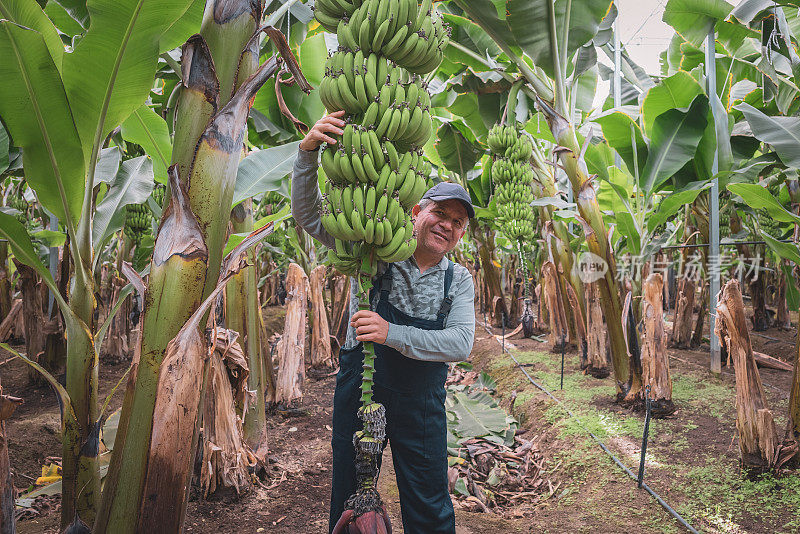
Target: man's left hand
370	327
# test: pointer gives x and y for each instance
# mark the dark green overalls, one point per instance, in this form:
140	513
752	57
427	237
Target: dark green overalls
413	393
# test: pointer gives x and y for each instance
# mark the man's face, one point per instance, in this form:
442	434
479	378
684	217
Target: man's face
440	225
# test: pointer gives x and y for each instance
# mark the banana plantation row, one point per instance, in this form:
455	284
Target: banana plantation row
145	150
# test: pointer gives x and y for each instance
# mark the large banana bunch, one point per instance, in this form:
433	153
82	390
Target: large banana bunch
769	225
159	191
512	175
269	204
137	221
21	205
376	171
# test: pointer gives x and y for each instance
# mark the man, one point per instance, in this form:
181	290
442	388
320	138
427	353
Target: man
423	316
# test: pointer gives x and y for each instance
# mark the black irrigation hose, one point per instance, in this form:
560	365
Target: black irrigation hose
726	244
617	461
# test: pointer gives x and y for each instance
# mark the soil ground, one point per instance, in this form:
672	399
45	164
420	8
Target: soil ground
692	456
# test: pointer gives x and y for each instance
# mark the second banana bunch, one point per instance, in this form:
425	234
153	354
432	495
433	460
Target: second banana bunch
512	175
376	171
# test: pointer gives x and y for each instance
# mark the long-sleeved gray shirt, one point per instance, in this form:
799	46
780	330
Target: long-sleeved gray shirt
414	293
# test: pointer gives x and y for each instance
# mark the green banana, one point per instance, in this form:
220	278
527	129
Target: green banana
395	42
345	230
358	202
369	168
346	167
391	153
392	246
348	102
370	116
347	199
361	92
358	225
391	182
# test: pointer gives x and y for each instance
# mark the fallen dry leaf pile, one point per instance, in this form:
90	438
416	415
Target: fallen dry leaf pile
488	473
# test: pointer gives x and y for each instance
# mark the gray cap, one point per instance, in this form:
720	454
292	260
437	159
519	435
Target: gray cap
447	191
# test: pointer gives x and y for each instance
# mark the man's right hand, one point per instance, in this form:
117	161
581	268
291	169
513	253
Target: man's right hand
317	135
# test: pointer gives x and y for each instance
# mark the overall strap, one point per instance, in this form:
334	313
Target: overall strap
386	283
447	301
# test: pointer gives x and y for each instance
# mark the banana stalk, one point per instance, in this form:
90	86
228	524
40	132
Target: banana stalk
241	315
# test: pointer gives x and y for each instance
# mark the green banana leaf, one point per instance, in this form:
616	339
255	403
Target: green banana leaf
77	10
788	251
674	202
265	170
183	27
620	127
757	197
149	130
693	19
108	165
29	14
34	108
676	91
782	133
530	26
111	71
133	184
4	148
67	26
22	247
676	134
457	147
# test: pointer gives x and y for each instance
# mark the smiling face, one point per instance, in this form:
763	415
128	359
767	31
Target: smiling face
439	226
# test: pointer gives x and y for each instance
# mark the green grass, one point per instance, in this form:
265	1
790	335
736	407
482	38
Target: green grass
709	394
714	496
735	497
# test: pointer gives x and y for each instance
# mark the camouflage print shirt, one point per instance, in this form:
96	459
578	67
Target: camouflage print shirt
418	294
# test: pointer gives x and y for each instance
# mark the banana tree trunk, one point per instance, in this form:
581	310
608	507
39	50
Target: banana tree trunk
655	361
34	318
321	352
757	290
758	436
555	307
700	211
782	317
81	475
597	240
209	138
597	335
242	315
684	310
700	323
5	283
7	509
491	277
55	345
563	256
291	348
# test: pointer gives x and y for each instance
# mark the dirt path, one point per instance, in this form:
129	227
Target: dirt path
692	456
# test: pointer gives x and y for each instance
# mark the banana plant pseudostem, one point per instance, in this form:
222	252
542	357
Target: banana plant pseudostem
146	485
550	47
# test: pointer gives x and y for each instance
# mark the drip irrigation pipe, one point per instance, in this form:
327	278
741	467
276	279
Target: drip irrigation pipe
725	244
602	445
